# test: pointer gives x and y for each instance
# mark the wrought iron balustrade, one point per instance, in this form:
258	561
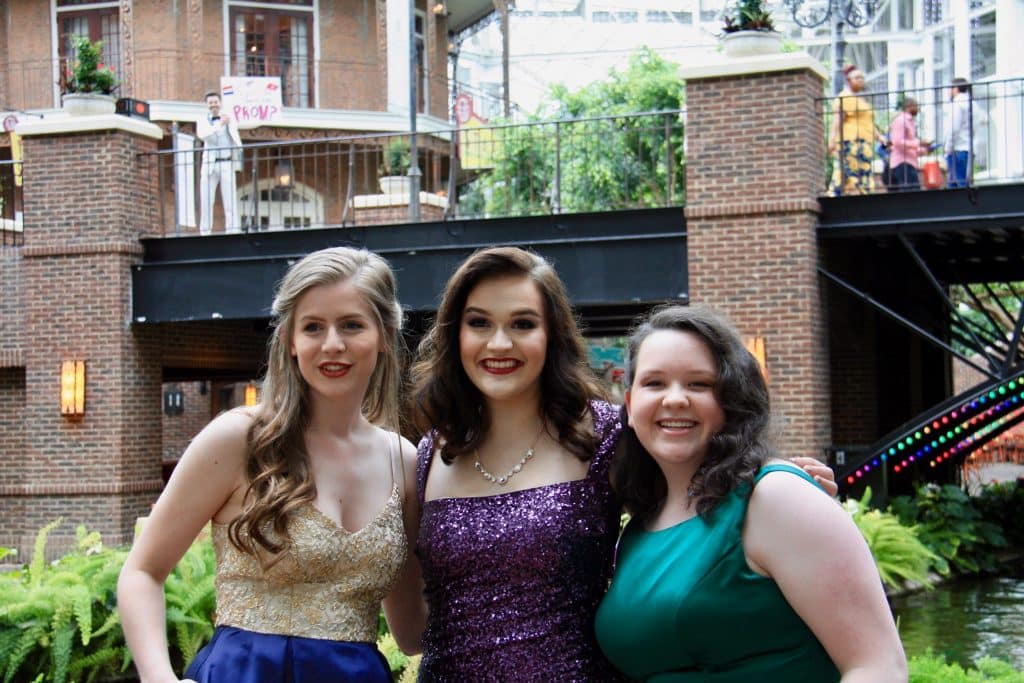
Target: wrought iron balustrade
995	130
570	166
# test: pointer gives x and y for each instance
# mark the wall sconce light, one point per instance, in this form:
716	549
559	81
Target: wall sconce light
174	402
251	394
756	347
284	174
439	9
72	388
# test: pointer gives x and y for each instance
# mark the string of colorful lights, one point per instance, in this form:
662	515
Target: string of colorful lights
955	431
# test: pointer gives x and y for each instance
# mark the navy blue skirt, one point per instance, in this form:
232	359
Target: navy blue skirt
235	655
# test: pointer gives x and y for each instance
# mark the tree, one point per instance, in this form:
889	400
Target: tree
590	149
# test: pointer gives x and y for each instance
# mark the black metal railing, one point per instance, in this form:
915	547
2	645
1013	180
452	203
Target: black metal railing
877	145
11	203
179	75
572	166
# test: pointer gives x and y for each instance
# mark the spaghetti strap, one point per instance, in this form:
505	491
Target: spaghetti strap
395	453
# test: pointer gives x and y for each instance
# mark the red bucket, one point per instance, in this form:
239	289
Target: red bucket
931	174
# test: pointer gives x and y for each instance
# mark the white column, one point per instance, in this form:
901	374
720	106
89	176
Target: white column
1008	115
960	13
1009	20
398	55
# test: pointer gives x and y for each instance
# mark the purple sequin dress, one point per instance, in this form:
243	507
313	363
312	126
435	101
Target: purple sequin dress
513	580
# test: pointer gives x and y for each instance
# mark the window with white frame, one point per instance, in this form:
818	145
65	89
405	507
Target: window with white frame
275	39
422	66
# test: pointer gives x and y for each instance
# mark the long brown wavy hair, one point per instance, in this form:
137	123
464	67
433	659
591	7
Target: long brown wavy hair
444	399
735	453
277	470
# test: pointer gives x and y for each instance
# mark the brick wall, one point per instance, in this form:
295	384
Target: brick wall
12	443
26	39
83	192
10	306
179	430
752	174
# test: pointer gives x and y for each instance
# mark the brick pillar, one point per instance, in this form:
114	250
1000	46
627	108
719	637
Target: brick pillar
754	166
88	197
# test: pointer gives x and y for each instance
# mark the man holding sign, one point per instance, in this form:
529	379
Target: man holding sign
219	134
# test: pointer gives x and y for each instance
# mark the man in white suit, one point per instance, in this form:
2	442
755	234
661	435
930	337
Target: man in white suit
221	160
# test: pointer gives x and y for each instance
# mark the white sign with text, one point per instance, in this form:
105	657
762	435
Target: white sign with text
252	100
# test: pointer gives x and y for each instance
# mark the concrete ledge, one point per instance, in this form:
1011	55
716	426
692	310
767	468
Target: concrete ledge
726	67
315	119
755	208
63	124
377	201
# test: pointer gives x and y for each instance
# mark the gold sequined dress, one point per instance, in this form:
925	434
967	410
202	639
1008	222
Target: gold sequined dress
313	615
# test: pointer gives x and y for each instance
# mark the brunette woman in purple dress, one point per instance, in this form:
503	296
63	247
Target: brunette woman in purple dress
519	521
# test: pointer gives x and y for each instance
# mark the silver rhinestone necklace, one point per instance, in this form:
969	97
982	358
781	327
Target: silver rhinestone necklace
516	469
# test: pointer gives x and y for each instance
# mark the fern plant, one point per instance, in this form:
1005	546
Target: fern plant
899	555
933	668
49	612
59	623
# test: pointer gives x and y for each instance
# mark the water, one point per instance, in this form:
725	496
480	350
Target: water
966	619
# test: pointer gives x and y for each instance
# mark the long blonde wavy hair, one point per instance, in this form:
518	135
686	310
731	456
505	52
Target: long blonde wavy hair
277	469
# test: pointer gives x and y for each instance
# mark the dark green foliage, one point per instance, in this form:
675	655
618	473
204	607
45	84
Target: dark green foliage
748	15
950	523
88	73
396	158
1003	505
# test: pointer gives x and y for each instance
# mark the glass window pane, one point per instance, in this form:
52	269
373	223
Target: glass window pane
983	46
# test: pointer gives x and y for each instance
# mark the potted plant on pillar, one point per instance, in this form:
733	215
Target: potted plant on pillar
88	84
749	30
394	167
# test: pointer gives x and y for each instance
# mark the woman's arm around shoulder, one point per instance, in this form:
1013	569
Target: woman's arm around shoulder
812	549
404	606
209	475
821	472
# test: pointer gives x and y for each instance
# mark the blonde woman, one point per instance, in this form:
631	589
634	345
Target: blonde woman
309	495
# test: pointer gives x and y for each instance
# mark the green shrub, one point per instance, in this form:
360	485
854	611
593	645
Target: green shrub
932	668
899	555
59	623
1003	505
951	525
56	620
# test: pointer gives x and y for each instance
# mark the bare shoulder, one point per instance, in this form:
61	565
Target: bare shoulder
226	437
785	495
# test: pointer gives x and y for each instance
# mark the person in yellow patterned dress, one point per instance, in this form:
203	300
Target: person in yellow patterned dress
852	137
312	500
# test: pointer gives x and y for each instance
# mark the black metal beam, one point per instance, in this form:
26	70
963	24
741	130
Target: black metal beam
619	258
925	211
916	329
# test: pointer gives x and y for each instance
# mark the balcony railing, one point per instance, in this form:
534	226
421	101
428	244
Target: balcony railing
11	203
866	161
179	75
573	166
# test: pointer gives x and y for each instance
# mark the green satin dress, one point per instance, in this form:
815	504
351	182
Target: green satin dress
684	607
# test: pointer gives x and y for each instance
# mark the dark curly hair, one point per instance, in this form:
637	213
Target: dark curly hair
445	400
735	453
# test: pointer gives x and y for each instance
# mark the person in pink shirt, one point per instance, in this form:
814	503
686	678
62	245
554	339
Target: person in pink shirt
906	148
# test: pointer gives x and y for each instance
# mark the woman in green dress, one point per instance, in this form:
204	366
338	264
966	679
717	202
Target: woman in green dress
735	566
